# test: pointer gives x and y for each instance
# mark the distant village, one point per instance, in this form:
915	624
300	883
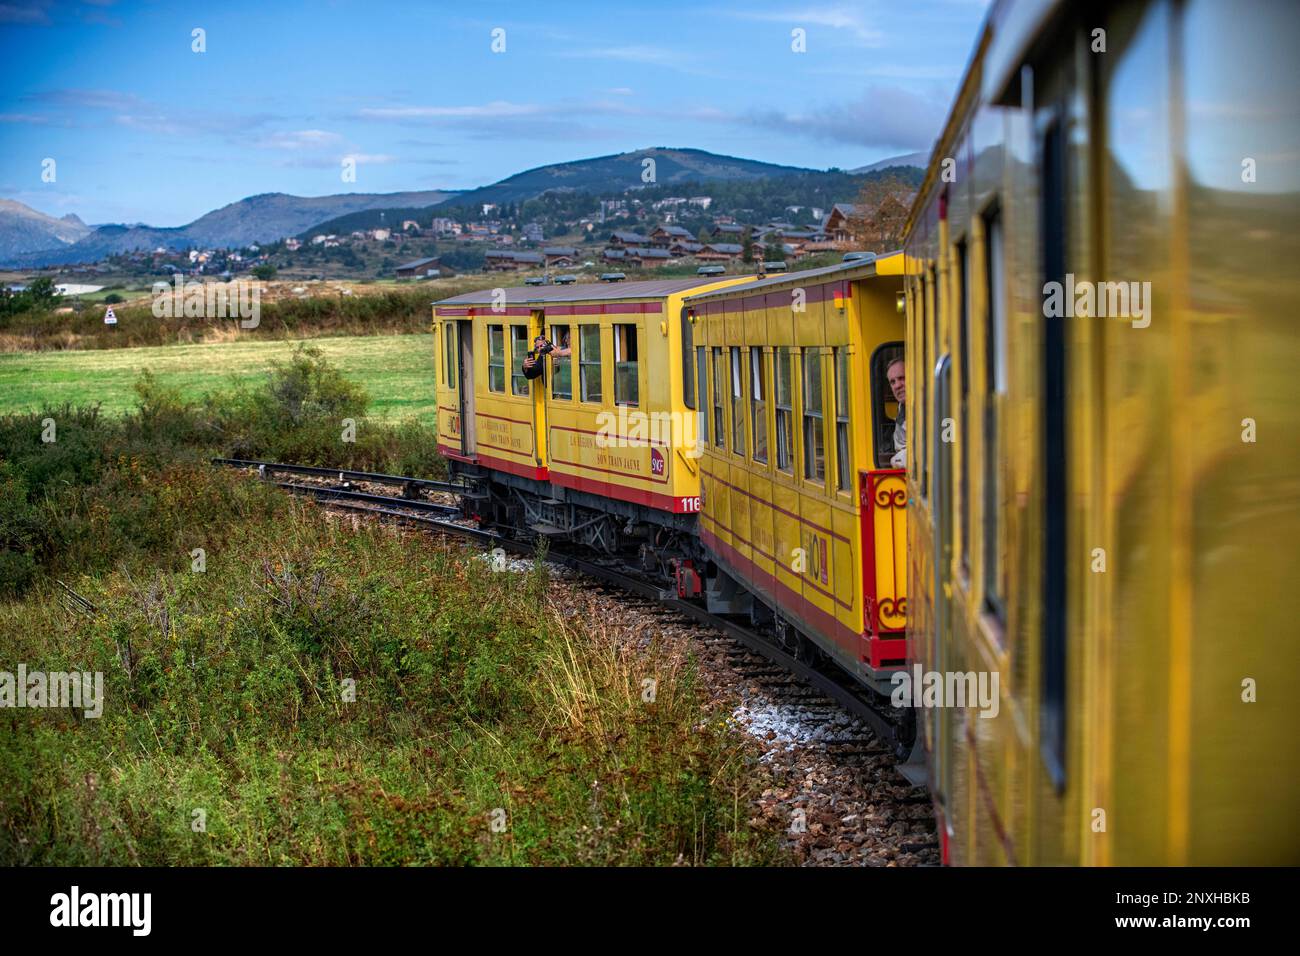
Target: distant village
625	234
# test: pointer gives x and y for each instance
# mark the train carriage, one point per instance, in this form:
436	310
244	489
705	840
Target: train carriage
600	448
1093	518
802	516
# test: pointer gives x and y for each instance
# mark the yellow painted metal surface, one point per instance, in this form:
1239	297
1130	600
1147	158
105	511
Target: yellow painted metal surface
1181	517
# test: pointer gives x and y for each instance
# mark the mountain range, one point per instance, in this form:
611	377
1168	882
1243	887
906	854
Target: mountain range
23	229
29	238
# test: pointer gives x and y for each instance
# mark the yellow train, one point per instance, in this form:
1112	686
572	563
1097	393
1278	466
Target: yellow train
804	517
732	434
601	449
1079	584
1103	502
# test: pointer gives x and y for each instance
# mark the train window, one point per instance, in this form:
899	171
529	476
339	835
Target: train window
843	457
702	374
518	351
589	364
561	365
737	403
995	385
688	348
452	375
719	376
885	409
784	396
496	358
814	435
626	390
921	410
1052	219
963	401
758	402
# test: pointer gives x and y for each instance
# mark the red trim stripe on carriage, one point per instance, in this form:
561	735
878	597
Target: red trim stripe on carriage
775	560
500	464
607	308
607	489
791	602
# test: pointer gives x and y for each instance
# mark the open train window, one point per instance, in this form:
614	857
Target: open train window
496	358
518	352
561	365
884	407
626	367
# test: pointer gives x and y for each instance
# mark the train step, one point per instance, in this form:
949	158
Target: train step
550	530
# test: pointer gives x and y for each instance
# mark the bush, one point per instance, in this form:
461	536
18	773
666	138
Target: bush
104	491
473	696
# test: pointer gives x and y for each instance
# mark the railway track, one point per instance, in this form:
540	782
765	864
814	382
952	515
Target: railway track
783	697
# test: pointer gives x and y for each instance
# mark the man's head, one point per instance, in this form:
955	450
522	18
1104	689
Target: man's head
539	341
897	376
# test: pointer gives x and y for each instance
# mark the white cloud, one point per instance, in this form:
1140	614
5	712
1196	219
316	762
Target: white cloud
494	109
300	139
886	117
849	20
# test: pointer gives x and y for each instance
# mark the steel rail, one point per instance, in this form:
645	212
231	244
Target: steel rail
268	467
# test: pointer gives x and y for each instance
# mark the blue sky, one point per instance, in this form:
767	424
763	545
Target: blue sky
142	128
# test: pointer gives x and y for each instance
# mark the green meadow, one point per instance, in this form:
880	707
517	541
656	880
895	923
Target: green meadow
396	371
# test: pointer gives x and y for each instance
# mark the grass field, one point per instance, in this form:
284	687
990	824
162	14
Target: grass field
396	370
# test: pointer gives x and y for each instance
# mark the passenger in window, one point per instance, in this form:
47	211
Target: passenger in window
896	374
541	347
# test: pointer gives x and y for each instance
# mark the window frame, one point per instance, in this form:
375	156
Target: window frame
788	446
719	406
688	356
517	361
635	330
736	381
995	371
585	363
842	375
961	276
702	390
883	356
498	329
758	402
451	367
561	361
807	416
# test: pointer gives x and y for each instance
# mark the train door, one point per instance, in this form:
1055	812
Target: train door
466	336
536	327
450	382
942	625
